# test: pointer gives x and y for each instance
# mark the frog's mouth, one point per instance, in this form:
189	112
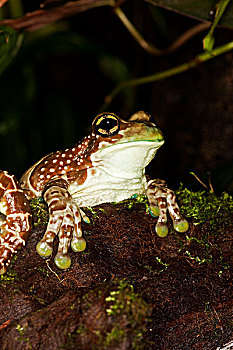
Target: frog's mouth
126	159
154	143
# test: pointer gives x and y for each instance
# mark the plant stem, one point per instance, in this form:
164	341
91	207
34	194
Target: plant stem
135	33
149	47
221	7
203	57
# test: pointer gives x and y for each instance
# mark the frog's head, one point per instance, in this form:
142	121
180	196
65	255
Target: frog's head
124	148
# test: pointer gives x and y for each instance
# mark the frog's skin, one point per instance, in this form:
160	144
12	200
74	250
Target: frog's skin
107	166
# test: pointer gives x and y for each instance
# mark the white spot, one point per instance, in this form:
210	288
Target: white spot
61	162
68	161
41	176
42	169
48	176
51	170
55	161
63	155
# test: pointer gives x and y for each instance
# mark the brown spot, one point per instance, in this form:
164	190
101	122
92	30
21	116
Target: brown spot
57	206
78	177
68	216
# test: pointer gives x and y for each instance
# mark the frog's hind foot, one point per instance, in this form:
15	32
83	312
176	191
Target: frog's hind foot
64	221
162	199
15	219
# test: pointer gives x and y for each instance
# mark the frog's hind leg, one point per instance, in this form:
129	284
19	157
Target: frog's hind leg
15	218
162	199
64	221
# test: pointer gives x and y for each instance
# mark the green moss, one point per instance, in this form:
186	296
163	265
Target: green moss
114	335
135	199
8	278
206	207
71	337
39	211
124	303
22	338
165	265
210	213
41	301
44	272
93	211
121	298
120	314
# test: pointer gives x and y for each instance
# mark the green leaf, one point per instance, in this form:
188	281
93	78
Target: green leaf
208	42
200	9
10	42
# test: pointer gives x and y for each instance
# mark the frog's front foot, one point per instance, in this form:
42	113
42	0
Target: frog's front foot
64	221
162	199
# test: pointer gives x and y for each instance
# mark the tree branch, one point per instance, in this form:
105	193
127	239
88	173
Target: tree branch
37	19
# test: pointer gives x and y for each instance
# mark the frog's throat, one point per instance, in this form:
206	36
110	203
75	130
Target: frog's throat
127	160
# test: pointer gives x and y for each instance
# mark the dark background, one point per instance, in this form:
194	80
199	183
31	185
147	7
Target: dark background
57	83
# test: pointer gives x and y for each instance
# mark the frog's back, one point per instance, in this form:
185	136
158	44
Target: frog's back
65	163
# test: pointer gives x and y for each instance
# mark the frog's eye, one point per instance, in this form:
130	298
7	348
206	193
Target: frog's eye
106	125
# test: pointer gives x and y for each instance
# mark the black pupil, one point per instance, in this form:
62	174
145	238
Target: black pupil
107	125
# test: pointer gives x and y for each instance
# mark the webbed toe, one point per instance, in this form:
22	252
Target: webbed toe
161	229
44	249
62	261
181	225
78	244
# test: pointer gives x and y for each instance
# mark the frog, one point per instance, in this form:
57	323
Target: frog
107	166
